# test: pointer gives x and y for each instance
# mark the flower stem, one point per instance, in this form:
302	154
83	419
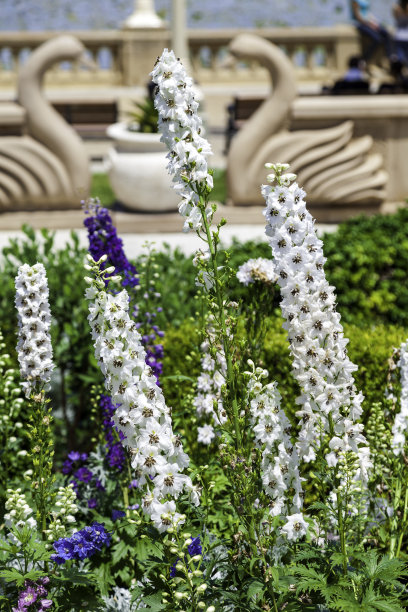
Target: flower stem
231	379
404	519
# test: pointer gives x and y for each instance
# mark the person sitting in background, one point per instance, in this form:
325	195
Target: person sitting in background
356	69
399	84
354	81
400	12
368	26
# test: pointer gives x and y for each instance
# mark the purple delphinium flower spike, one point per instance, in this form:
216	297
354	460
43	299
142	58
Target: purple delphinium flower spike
104	240
115	455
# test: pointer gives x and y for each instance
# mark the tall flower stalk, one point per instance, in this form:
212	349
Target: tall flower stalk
181	130
142	416
35	358
329	404
280	460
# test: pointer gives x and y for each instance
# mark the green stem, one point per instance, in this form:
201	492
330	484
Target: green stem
394	522
339	510
404	518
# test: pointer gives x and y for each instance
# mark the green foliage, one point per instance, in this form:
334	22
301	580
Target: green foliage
219	192
70	334
367	262
13	433
371	584
101	189
145	117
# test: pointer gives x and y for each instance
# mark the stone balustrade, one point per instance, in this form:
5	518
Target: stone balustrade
125	57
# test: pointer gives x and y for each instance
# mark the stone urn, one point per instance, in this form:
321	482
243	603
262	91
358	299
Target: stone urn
137	170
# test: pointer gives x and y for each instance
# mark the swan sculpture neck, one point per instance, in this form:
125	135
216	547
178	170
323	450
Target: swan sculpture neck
272	115
43	122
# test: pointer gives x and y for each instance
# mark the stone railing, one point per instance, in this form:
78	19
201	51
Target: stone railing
125	57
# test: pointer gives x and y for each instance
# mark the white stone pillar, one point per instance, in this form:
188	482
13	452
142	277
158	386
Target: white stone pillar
143	16
179	42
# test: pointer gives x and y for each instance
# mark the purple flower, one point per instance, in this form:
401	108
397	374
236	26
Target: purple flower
82	544
26	598
34	592
67	467
64	548
195	547
92	503
104	240
83	474
117	514
99	485
115	455
74	456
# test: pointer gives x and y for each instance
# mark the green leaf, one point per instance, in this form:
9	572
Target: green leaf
254	589
154	602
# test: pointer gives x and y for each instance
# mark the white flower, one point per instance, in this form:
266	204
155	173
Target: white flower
19	512
209	385
169	480
205	434
34	318
181	130
295	527
272	431
400	425
164	515
260	269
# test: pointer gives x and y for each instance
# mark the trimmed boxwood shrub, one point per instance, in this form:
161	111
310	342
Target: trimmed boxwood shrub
369	349
367	262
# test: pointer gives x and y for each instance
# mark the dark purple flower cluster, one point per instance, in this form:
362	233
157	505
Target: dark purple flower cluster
75	465
104	239
193	549
117	514
73	457
82	544
115	454
34	596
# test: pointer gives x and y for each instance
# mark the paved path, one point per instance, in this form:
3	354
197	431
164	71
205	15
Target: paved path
186	242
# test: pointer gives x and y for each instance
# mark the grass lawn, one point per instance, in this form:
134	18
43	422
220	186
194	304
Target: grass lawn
101	189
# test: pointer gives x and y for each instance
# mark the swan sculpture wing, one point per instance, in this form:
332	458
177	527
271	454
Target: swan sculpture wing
331	166
48	166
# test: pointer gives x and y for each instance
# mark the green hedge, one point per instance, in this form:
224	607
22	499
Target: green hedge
367	262
369	349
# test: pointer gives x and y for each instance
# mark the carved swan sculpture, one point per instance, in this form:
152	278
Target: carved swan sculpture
48	166
330	165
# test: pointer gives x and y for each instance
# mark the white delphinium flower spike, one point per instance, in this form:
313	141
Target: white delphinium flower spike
280	461
400	425
181	130
208	401
19	514
34	344
142	416
330	404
